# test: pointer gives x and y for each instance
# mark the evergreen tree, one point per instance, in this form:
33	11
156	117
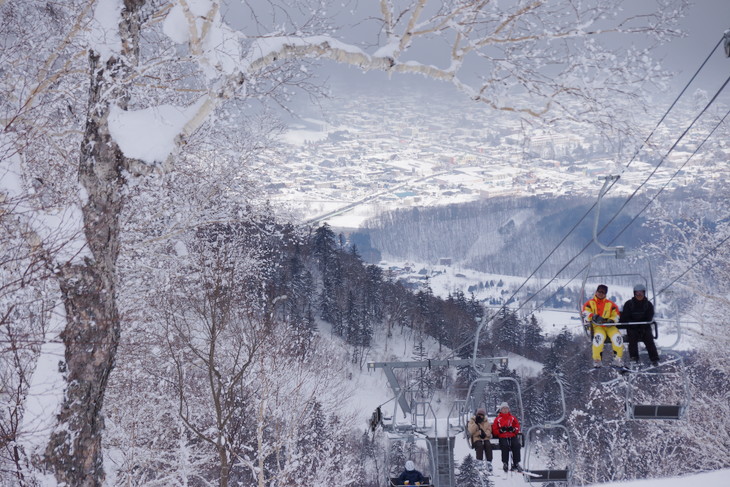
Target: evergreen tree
354	253
328	303
506	331
468	475
475	309
373	293
397	457
352	319
534	339
324	246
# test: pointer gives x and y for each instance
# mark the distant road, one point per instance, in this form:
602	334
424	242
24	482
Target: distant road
371	197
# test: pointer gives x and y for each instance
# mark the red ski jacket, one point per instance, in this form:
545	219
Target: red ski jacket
505	421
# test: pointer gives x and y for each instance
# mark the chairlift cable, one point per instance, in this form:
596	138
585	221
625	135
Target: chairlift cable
575	356
635	217
693	265
676	173
664	158
664	186
666	113
529	298
637	189
636	153
632	195
555	248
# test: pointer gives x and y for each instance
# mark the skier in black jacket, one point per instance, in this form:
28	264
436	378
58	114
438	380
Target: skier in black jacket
639	309
411	475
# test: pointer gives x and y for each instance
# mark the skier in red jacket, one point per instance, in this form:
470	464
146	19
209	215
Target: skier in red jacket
506	427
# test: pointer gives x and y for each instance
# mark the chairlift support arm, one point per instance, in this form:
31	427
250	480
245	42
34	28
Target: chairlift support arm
389	370
618	251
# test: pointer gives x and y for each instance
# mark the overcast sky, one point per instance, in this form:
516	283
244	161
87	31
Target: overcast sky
704	25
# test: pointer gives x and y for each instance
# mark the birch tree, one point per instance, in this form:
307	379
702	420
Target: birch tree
85	82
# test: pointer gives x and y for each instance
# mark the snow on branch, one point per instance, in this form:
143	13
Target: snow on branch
150	134
502	43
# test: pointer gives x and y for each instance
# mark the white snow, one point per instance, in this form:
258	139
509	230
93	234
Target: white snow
175	25
265	46
60	228
180	248
47	388
103	35
717	478
221	50
388	50
150	134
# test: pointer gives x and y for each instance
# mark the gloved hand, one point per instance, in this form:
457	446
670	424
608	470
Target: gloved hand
502	429
510	428
598	319
482	435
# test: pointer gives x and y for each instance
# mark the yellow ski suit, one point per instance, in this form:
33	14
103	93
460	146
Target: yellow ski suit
606	309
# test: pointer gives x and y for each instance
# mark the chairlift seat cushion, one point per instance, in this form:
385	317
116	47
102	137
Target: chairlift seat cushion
647	411
548	476
426	482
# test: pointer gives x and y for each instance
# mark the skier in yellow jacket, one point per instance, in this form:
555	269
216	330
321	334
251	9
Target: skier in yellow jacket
603	314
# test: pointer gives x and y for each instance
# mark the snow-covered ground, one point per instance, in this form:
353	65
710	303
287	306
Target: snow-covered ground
717	478
371	388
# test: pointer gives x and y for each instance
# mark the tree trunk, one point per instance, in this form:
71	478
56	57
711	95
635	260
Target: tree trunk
92	331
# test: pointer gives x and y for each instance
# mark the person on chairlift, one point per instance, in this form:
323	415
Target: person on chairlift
506	427
603	314
639	310
411	476
481	432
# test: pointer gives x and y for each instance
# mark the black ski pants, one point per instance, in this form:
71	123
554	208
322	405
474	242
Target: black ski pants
641	333
510	445
482	447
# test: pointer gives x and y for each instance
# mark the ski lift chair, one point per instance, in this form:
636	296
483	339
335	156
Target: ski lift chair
618	253
557	475
422	455
554	475
609	278
640	409
641	266
472	402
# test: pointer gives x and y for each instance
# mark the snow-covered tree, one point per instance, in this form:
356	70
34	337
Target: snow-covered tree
98	95
600	436
694	273
468	474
